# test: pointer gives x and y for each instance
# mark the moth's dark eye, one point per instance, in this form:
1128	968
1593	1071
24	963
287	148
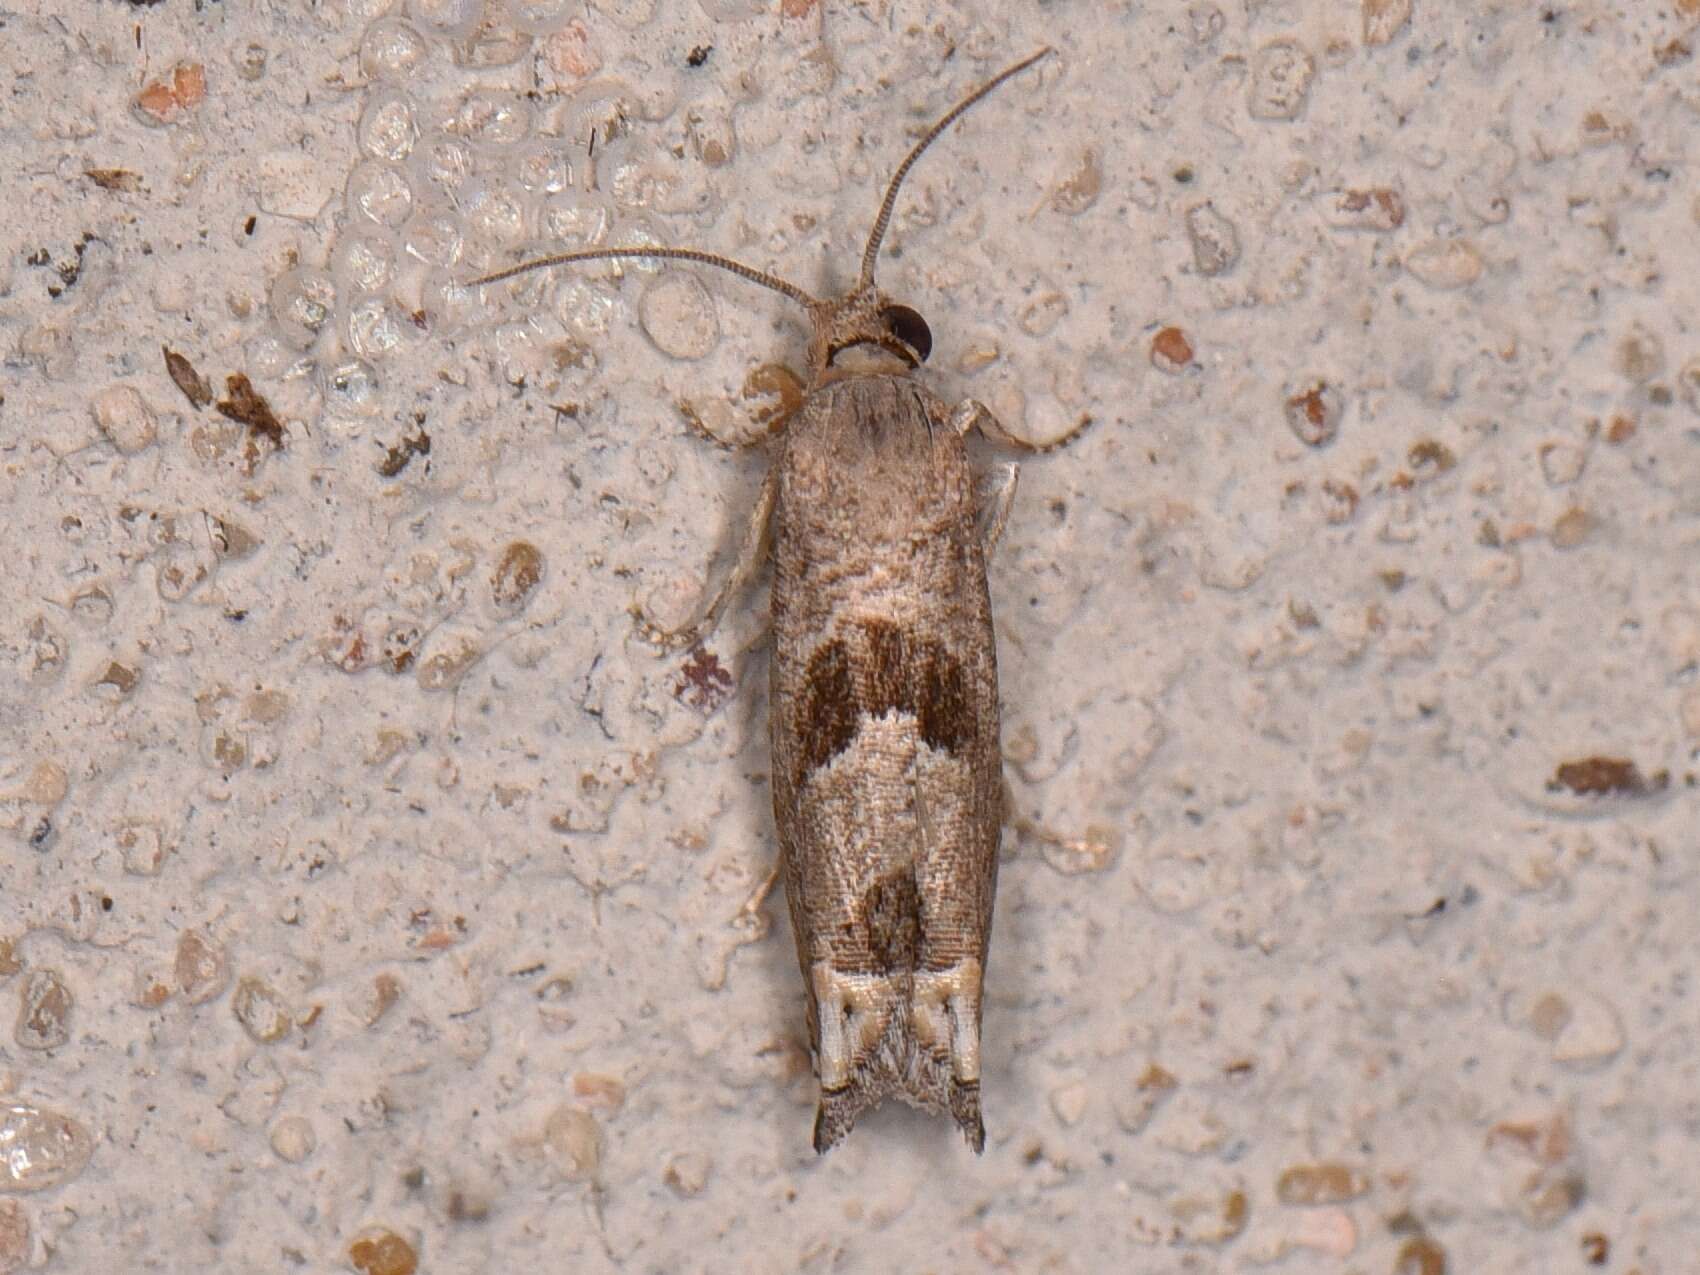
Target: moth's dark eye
909	328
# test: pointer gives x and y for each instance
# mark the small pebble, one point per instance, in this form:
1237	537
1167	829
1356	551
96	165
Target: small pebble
1546	1198
293	1139
1571	528
376	1000
453	655
1313	411
1640	356
164	100
573	1142
1209	1218
1215	242
47	784
1592	1033
678	316
149	992
1138	1101
44	1011
1562	463
1080	189
1445	264
1378	209
1171	352
125	418
1324	1183
1043	313
1383	19
516	575
261	1011
1068	1102
553	999
250	61
1420	1256
1281	72
40	1148
189	84
382	1252
200	967
687	1173
595	1089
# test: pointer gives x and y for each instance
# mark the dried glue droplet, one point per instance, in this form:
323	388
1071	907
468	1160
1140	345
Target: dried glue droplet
40	1149
678	315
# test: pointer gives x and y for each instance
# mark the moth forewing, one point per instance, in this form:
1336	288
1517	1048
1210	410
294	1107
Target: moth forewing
887	778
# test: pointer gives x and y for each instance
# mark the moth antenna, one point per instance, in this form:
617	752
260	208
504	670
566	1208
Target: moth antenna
701	258
871	253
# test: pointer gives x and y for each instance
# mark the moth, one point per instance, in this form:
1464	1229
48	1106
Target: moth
887	771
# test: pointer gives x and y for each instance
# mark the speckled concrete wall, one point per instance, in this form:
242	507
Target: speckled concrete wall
373	896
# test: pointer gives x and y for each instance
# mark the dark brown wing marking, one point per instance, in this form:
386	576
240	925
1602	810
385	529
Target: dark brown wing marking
829	707
887	678
947	719
891	911
888	670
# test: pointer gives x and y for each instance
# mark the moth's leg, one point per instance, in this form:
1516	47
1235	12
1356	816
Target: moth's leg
751	553
994	496
973	414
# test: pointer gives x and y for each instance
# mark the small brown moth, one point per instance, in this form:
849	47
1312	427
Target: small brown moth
887	774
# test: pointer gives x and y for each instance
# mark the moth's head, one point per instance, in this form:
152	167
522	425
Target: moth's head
866	331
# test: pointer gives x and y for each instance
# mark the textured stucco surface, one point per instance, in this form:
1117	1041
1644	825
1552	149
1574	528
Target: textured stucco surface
360	873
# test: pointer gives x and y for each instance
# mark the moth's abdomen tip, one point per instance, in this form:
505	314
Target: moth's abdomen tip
976	1138
965	1110
832	1121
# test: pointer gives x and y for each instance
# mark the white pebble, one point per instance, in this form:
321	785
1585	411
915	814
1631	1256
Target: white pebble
572	1141
1445	264
125	418
1281	72
1215	242
293	1139
1068	1102
678	315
